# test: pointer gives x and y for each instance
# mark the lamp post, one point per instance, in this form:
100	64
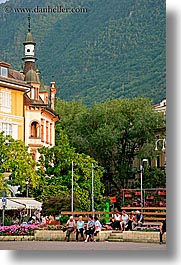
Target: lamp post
3	204
163	148
27	187
72	201
92	187
141	175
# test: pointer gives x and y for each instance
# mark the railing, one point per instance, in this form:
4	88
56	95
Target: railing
152	214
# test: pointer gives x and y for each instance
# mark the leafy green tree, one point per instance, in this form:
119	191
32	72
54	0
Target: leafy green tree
55	167
154	177
114	133
16	159
2	183
54	203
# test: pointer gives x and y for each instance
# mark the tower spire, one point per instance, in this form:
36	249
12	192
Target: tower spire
29	50
29	23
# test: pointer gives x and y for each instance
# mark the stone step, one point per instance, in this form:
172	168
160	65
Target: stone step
116	236
114	240
117	232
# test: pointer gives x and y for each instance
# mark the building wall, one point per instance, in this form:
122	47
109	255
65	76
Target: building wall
45	130
12	119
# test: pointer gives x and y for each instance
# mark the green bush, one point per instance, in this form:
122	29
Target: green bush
63	219
7	220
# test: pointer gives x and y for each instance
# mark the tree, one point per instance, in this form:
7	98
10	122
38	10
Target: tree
16	159
53	204
154	177
55	167
114	133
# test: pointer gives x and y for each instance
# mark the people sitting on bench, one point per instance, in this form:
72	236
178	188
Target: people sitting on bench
80	228
116	221
139	220
90	228
70	227
98	227
124	220
132	218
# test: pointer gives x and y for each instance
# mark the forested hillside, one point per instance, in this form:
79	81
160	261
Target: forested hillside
116	49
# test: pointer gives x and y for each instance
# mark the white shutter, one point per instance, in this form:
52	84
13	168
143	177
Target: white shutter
15	131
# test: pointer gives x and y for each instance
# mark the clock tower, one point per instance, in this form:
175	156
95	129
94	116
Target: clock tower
29	51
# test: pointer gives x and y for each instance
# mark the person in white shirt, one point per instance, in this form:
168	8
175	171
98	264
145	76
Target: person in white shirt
98	227
117	221
124	221
71	226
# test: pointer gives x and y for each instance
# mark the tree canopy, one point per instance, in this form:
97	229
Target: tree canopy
114	133
55	168
16	160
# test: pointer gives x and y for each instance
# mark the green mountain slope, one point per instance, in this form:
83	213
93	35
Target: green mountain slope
116	49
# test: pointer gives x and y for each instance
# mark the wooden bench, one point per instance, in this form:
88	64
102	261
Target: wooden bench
151	214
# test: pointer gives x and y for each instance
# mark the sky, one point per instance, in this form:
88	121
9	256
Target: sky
3	1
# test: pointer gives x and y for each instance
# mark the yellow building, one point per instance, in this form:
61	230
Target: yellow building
12	90
26	104
40	116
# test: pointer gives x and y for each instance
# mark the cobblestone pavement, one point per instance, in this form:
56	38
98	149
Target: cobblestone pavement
77	246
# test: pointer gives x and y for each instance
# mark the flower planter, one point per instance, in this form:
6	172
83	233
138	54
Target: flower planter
142	237
128	196
138	193
162	193
16	238
150	198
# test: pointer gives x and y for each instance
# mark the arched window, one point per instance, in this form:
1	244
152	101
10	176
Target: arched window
35	129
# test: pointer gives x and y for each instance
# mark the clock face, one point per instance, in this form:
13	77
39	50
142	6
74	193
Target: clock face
29	49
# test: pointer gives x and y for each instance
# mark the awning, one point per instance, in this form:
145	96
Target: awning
11	205
28	203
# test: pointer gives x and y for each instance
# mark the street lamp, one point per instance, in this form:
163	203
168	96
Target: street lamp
4	204
27	188
92	197
141	175
72	202
163	146
92	187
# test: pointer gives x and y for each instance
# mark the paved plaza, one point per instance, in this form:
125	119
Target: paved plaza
77	246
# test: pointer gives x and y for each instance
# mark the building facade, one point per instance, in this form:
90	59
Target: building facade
12	90
26	104
40	117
